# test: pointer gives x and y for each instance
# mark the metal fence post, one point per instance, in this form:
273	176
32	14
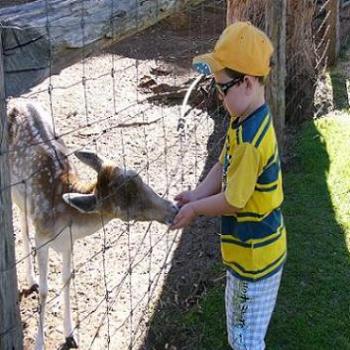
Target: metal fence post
10	323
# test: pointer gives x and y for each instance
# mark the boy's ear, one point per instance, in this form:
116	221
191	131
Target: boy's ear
247	80
250	82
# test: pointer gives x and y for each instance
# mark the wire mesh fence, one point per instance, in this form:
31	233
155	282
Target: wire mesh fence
124	104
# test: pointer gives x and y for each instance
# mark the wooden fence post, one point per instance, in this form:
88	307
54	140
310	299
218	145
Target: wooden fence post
10	322
276	29
332	38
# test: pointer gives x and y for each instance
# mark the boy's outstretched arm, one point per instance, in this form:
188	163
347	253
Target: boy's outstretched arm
209	186
212	183
215	205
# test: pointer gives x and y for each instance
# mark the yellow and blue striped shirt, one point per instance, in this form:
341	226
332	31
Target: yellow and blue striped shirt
253	241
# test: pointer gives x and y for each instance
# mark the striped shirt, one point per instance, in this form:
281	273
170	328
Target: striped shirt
253	241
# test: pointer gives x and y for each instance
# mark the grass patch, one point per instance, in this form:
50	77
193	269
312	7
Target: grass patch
312	312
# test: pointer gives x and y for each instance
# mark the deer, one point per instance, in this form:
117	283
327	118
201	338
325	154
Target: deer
62	208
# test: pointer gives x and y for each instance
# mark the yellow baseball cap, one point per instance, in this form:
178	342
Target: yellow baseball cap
241	47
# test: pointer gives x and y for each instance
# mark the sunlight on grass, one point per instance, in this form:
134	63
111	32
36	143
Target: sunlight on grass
335	130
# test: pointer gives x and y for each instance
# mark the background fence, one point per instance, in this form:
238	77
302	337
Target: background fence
124	102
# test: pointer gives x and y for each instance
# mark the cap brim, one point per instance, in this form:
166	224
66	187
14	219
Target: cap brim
207	64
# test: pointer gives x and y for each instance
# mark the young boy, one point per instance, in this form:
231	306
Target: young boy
253	236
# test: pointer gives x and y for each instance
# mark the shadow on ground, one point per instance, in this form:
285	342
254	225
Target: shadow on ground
193	270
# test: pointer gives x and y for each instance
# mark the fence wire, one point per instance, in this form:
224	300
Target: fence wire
124	104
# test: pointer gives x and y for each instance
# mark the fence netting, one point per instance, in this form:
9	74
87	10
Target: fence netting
124	103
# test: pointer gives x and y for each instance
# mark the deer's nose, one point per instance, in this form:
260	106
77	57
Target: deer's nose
175	209
172	213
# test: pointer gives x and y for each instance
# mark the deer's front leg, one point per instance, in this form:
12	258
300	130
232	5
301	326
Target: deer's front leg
66	279
31	280
43	289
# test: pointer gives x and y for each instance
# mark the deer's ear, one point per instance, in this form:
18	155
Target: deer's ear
85	203
90	158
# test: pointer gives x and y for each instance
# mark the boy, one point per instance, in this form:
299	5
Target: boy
253	236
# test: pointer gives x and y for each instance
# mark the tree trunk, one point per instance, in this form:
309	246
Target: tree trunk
246	10
43	37
276	30
301	67
333	31
10	322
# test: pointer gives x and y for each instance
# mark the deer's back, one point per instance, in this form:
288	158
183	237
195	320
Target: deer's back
38	160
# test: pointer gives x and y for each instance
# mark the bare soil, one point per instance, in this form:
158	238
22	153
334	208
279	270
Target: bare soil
129	276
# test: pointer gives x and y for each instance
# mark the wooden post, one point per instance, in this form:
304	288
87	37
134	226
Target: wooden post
10	322
332	31
245	10
276	30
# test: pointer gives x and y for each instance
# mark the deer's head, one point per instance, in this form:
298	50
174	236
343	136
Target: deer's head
120	194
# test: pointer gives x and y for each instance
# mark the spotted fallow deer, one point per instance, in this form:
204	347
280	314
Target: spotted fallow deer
59	206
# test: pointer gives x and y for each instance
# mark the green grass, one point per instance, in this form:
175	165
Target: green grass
312	312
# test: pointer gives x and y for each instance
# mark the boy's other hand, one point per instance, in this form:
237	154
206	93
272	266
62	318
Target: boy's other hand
184	198
183	217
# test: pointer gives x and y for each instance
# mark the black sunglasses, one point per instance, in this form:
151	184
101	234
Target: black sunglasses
223	88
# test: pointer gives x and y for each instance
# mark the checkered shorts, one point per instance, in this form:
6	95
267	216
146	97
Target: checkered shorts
249	306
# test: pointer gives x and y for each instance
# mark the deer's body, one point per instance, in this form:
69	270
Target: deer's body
60	207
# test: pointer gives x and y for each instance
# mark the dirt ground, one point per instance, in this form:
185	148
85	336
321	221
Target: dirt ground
134	271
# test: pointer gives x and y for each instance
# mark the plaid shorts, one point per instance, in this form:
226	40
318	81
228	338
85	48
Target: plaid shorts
249	306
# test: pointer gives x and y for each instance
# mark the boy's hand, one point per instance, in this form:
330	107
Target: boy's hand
184	217
184	198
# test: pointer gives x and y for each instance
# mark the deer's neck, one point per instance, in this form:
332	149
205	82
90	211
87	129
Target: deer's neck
71	183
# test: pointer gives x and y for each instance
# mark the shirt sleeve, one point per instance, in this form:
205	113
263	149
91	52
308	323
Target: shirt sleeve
222	154
242	175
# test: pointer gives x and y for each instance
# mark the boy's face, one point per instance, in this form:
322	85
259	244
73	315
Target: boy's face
237	98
